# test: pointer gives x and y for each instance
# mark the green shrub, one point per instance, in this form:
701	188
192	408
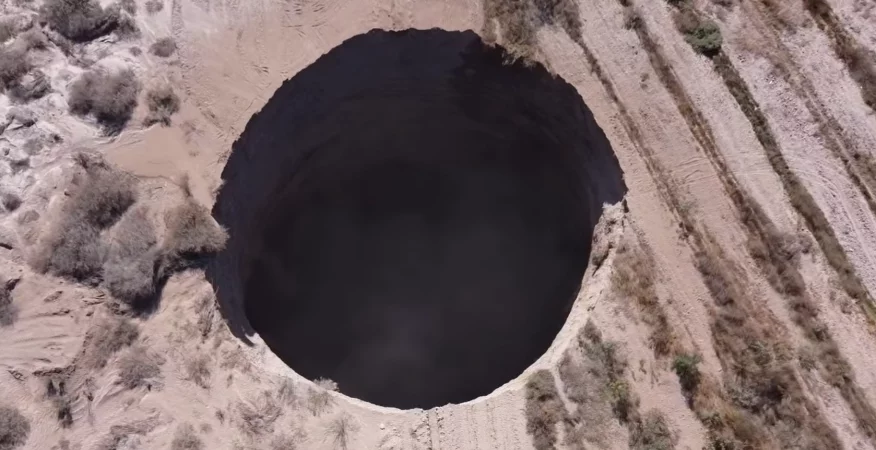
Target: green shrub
705	38
686	367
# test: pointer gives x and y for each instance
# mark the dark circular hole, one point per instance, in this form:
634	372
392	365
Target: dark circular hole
411	216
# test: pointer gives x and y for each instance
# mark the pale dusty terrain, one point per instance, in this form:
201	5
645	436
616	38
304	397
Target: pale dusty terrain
232	55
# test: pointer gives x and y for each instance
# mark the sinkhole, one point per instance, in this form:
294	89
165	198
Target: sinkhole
411	217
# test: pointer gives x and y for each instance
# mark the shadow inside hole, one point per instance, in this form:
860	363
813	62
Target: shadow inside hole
411	216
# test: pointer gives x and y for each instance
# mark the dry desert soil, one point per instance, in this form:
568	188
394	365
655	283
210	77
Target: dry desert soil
437	224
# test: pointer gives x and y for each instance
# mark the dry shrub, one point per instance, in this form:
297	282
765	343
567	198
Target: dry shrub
14	428
319	397
163	47
109	97
10	201
33	85
185	439
8	30
154	6
544	409
634	276
341	429
129	270
163	103
192	234
125	437
8	311
71	247
79	20
198	370
651	433
14	64
129	6
138	367
519	20
258	419
33	39
106	338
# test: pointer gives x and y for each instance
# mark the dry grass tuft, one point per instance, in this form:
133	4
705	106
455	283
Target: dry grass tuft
258	419
319	397
185	438
198	371
544	409
109	97
341	429
14	428
106	338
139	368
162	103
80	20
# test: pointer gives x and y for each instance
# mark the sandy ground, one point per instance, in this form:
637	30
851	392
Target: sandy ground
233	55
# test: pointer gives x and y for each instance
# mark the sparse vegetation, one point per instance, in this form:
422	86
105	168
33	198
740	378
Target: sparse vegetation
258	419
185	438
544	409
138	368
14	428
341	429
651	433
859	60
106	338
109	97
163	103
163	47
634	277
198	370
519	20
80	20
